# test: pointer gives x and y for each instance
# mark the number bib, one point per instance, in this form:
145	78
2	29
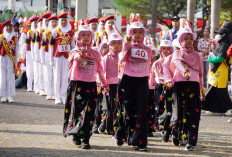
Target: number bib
139	53
64	48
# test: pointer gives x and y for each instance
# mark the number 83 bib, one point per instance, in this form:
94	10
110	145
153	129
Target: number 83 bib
139	53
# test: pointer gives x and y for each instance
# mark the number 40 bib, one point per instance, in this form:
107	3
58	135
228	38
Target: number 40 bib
139	53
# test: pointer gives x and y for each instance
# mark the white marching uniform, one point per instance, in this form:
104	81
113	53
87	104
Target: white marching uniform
48	70
61	67
25	53
7	69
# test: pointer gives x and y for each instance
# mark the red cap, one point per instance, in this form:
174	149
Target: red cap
9	22
92	20
46	15
40	19
34	19
64	15
110	17
102	19
53	18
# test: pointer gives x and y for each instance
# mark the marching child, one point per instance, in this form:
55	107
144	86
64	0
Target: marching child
133	88
48	77
82	90
61	43
187	89
164	118
8	57
104	50
110	68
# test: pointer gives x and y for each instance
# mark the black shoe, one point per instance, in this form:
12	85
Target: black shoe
165	136
189	147
142	148
175	140
85	145
150	134
76	140
101	130
118	142
95	131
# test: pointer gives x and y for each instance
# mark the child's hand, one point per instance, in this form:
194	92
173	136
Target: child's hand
168	86
107	89
187	76
203	96
83	51
129	38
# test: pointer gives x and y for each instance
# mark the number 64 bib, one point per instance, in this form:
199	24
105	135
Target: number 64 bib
139	53
64	48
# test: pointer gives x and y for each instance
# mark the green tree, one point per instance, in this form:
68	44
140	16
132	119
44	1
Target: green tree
166	8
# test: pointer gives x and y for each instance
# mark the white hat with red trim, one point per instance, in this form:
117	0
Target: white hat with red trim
83	28
115	36
166	43
135	23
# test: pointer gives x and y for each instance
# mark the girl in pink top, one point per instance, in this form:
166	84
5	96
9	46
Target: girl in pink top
133	89
163	95
151	106
104	50
110	67
188	82
82	90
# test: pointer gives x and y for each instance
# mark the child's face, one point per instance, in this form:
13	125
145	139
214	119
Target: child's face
166	51
103	26
116	45
54	23
64	22
111	23
9	28
153	54
105	49
137	35
85	37
188	41
94	26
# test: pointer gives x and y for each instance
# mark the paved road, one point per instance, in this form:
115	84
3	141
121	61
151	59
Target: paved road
33	127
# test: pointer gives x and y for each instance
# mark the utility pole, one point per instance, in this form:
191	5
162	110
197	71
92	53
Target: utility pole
11	5
50	5
191	7
153	18
215	16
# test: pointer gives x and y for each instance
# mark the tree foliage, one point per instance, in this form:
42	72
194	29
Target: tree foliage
165	8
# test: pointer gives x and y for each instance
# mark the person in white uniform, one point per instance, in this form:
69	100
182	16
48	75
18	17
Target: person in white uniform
49	76
8	57
62	42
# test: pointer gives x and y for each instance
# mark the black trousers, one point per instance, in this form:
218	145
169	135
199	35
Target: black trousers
132	120
79	109
98	111
164	119
109	109
151	112
186	111
217	100
159	103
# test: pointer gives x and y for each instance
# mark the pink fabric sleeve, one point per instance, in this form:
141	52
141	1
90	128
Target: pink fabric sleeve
167	70
179	66
100	74
201	73
127	46
104	65
152	76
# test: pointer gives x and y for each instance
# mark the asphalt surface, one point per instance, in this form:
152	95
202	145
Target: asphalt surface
32	126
